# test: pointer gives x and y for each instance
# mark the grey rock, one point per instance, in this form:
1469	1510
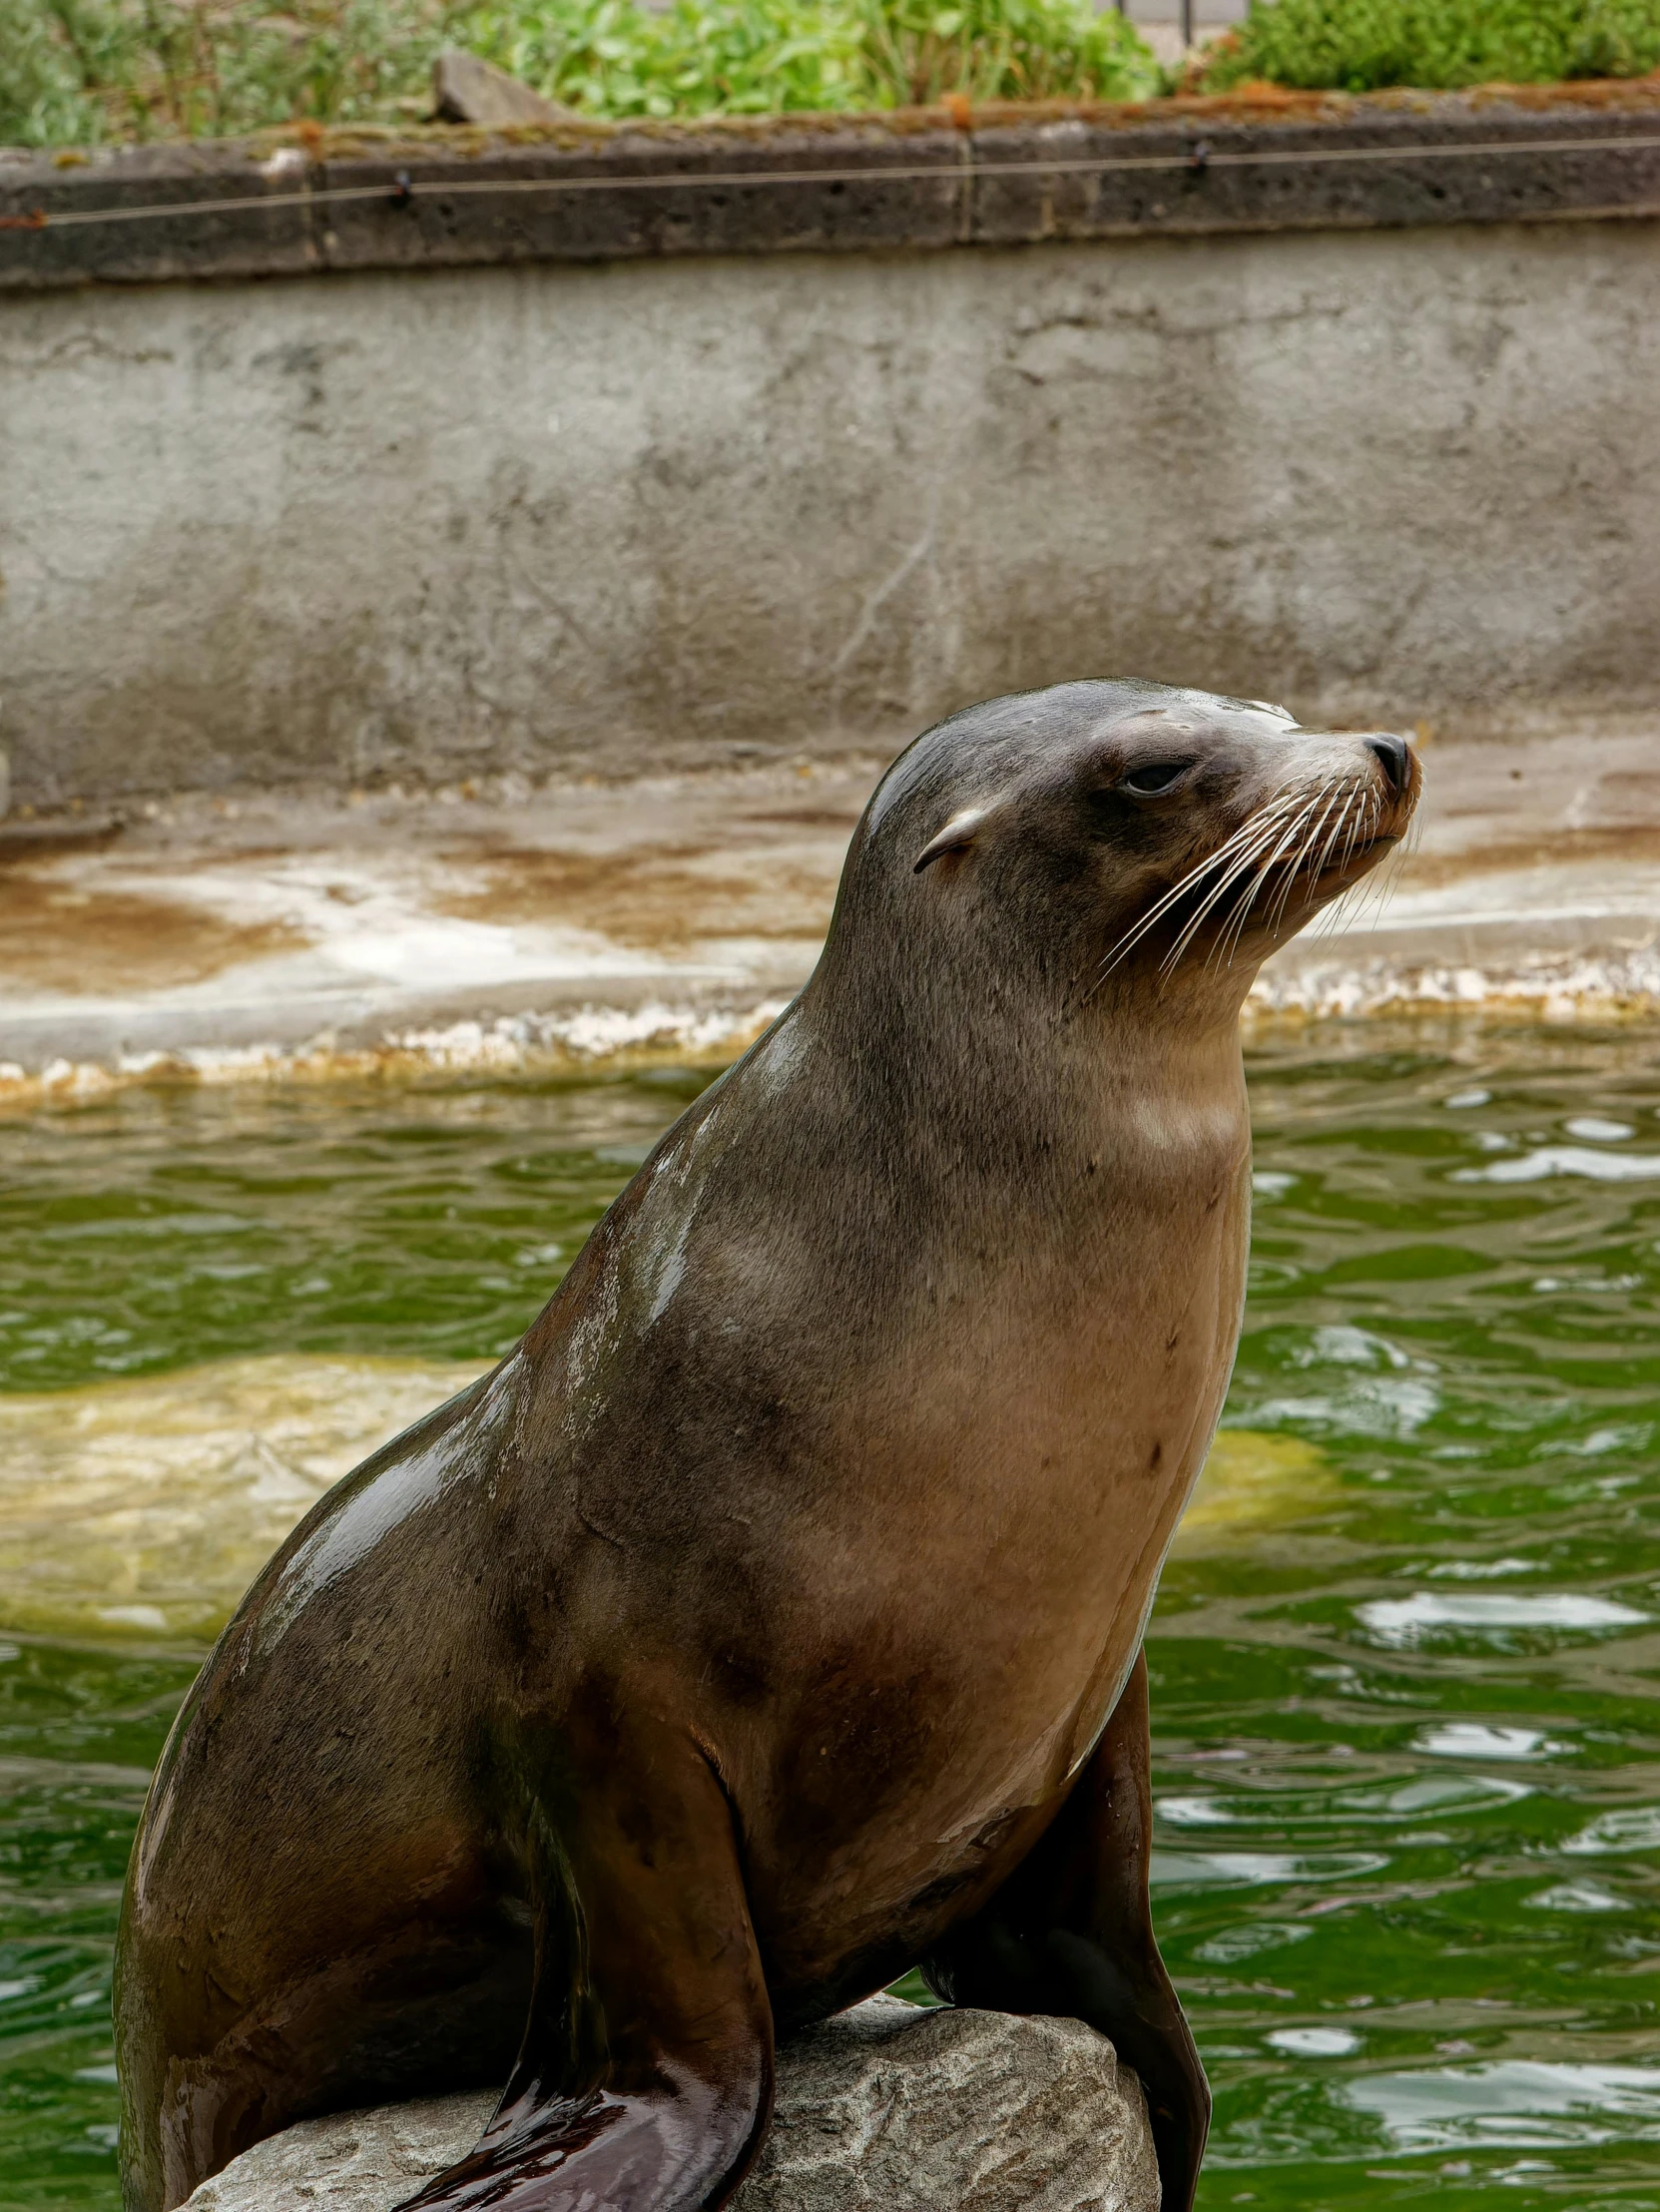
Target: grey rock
885	2107
467	90
946	2111
351	2161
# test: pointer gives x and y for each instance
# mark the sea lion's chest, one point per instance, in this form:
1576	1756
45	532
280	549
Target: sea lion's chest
960	1627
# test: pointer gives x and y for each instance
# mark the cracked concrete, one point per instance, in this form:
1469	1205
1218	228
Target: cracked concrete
680	515
491	925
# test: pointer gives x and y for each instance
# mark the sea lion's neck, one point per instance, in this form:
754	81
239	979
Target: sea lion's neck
1006	1108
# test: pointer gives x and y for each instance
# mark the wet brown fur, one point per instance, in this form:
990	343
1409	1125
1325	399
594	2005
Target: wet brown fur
768	1621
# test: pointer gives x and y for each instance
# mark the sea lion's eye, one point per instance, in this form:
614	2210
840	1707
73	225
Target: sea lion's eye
1154	776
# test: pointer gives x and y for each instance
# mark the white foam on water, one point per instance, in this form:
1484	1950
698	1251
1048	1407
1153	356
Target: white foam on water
1575	986
1372	1405
1194	1811
1517	2102
1479	1570
1441	1793
1271	1183
1476	1740
1566	1159
1576	1897
1315	2043
1236	1870
1402	1621
1632	1827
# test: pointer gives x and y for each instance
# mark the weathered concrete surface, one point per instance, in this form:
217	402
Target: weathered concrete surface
565	188
650	516
495	926
884	2108
670	911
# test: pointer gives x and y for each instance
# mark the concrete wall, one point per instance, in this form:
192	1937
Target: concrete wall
651	512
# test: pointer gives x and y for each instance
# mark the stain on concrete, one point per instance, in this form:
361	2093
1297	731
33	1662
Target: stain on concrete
75	937
494	925
666	899
1638	843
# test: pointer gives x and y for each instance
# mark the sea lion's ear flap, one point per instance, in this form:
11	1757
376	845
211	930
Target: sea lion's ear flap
958	834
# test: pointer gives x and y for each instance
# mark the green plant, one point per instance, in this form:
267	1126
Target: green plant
616	57
80	71
44	98
920	51
1365	45
83	70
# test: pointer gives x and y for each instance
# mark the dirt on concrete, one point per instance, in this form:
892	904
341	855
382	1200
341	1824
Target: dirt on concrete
76	937
489	922
664	898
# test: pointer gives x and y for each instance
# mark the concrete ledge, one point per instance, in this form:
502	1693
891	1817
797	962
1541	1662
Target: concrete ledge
287	204
277	939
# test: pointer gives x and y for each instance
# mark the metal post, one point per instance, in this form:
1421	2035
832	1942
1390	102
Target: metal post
1187	24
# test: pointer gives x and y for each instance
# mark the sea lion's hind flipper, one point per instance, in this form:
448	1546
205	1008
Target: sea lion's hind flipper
645	2080
1071	1934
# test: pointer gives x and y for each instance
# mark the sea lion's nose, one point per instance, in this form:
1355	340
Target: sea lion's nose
1394	757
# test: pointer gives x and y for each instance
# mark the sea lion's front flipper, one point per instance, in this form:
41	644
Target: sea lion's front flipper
1071	1933
645	2080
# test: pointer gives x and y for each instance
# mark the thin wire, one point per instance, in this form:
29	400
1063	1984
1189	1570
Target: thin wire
1197	160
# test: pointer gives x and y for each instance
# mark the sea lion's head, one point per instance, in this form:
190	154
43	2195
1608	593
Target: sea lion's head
1127	839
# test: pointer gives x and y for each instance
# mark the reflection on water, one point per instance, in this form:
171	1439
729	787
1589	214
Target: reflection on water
1516	2104
1408	1760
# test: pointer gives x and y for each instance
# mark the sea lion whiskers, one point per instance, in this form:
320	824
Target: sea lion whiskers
1292	837
1355	804
1191	926
1322	843
1348	811
1370	813
1222	953
1363	904
1362	825
1227	944
1294	840
1248	828
1330	791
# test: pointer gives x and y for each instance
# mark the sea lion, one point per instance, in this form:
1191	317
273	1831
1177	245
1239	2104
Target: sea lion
769	1620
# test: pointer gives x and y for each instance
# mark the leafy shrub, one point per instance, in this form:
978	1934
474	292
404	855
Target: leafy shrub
1363	45
615	57
914	52
77	71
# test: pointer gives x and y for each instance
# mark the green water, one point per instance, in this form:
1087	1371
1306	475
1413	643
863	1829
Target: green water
1407	1752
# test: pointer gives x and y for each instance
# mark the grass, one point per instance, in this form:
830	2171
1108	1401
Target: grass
1365	45
82	72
